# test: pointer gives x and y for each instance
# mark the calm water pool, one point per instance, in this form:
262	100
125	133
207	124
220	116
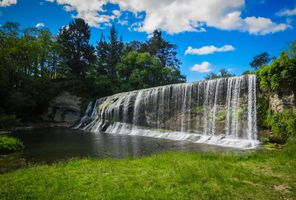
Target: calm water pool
53	144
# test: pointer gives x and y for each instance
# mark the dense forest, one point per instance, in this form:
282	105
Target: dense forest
36	65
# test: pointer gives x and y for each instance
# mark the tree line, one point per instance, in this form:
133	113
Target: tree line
35	65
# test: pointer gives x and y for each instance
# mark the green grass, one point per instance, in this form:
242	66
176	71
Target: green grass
260	175
9	144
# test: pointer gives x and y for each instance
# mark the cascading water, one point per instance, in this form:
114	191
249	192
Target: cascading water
220	112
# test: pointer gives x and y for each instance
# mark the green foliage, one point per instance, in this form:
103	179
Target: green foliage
267	174
248	72
109	54
221	115
164	50
241	112
262	111
279	76
223	73
292	49
10	144
77	53
35	66
199	110
282	125
9	121
142	70
260	60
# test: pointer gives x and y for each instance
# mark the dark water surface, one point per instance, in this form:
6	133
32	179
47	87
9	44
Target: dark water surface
54	144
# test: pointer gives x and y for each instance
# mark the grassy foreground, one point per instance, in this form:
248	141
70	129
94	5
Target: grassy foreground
261	175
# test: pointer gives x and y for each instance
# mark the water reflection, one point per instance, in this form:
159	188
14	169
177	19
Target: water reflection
49	145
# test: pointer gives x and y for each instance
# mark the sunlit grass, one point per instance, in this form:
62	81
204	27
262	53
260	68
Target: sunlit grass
261	175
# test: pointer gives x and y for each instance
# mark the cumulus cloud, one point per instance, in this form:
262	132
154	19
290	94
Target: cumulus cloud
4	3
176	16
263	26
204	67
39	25
92	11
205	50
287	12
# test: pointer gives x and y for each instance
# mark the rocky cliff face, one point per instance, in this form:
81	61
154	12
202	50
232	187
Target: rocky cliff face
279	103
65	108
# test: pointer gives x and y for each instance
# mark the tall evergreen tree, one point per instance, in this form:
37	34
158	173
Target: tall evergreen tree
163	49
78	54
102	55
109	54
115	49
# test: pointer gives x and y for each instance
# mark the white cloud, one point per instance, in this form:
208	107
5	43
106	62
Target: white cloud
4	3
68	8
117	13
204	67
205	50
135	27
91	11
263	26
287	12
176	16
123	22
39	25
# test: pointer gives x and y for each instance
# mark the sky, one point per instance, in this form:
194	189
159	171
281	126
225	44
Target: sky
209	34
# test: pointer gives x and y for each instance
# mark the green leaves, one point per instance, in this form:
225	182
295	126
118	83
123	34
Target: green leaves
141	70
279	76
283	125
10	144
77	52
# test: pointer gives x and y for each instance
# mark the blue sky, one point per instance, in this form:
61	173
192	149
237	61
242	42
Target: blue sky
221	33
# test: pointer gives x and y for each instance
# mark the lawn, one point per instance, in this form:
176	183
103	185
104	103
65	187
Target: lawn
262	175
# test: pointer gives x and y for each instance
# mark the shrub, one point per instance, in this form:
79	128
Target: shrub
9	121
10	144
282	125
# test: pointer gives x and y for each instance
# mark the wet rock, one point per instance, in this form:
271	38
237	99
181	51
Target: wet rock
64	108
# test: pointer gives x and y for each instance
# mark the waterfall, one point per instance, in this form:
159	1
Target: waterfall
219	112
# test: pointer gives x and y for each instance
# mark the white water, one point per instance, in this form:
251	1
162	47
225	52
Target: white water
219	112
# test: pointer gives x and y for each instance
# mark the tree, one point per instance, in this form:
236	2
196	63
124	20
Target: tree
223	73
10	29
133	46
163	49
77	52
114	52
292	49
279	76
109	54
260	60
102	56
141	70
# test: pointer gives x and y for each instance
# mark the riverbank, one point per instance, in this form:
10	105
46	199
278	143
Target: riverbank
259	175
36	126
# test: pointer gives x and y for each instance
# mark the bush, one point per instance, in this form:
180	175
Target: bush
262	111
282	125
9	121
10	144
279	76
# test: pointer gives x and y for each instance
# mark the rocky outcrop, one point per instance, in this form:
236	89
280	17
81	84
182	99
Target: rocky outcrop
64	108
279	103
